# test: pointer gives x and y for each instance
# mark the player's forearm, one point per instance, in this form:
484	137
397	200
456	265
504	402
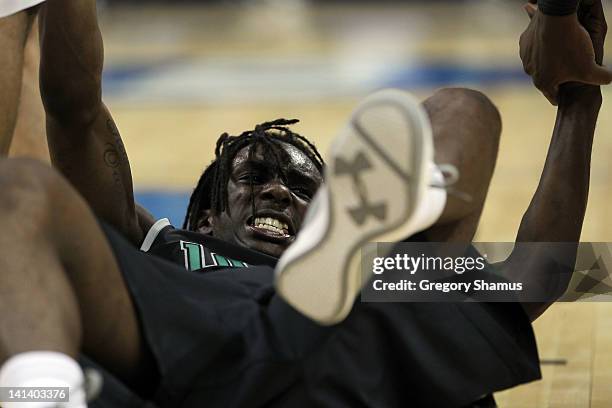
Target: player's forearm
557	209
71	60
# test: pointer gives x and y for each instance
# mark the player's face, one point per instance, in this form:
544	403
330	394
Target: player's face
280	205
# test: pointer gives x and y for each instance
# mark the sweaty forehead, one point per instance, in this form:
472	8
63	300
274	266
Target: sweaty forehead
295	160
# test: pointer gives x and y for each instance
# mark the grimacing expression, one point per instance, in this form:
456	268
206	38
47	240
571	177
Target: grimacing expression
280	204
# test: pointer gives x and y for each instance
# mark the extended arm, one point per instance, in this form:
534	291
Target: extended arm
84	142
557	209
556	212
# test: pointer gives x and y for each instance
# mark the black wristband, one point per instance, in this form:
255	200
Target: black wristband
558	7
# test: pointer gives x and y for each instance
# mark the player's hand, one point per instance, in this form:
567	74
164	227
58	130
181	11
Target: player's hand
556	50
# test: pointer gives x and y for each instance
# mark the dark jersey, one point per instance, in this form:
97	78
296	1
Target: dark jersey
199	252
225	340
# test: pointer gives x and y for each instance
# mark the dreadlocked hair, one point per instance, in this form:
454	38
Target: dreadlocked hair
211	190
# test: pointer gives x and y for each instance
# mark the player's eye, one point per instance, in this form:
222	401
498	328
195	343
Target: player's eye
254	177
303	193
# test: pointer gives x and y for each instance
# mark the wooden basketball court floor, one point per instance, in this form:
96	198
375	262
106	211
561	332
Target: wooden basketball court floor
179	77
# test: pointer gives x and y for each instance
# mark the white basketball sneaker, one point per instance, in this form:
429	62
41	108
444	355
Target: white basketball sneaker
377	177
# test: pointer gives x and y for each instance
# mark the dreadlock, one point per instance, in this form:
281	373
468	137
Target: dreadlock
211	190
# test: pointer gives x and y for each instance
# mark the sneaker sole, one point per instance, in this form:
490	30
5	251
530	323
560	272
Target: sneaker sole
376	178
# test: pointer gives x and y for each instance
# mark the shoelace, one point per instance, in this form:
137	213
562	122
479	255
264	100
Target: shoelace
451	177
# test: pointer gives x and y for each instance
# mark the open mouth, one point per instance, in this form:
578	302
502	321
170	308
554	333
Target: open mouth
275	227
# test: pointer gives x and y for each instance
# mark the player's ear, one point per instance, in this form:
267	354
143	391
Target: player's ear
205	223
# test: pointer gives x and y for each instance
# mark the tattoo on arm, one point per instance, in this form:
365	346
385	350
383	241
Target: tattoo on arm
112	128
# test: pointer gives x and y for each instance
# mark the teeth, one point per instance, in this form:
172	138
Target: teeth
271	224
272	228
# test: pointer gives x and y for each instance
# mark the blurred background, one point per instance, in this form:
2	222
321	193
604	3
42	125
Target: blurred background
180	73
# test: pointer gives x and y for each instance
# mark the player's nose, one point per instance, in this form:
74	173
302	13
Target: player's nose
277	192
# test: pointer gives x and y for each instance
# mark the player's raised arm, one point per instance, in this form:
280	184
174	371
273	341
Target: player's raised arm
555	48
556	212
84	142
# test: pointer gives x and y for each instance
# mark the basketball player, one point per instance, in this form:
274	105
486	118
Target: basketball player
225	338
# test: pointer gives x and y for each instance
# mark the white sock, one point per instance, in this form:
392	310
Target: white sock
433	203
44	369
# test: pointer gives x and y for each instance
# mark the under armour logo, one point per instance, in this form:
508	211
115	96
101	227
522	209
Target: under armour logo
360	163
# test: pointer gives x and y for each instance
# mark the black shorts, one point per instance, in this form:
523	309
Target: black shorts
224	339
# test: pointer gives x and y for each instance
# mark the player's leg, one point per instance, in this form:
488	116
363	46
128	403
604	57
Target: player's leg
61	287
381	186
466	131
29	138
437	354
379	169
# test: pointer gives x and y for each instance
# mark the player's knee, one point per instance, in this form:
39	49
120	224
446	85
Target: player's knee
471	110
475	104
26	186
486	110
